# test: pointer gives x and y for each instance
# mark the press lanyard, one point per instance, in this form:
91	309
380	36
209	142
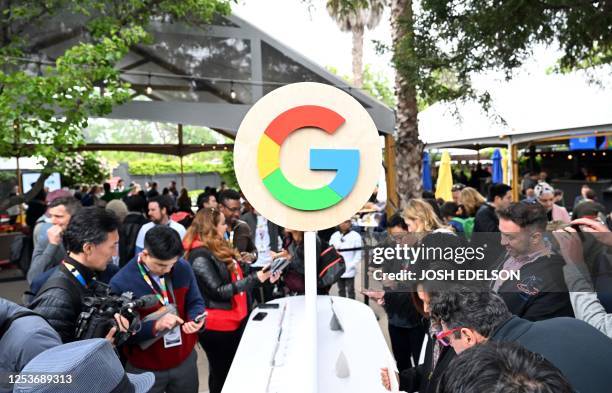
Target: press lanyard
75	273
163	298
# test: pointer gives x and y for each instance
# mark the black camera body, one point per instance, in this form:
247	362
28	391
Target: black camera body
98	315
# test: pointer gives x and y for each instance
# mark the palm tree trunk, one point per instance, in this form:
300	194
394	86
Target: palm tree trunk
409	148
357	53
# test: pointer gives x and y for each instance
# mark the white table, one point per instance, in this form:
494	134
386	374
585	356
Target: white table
259	366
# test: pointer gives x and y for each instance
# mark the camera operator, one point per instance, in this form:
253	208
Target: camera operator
91	241
168	333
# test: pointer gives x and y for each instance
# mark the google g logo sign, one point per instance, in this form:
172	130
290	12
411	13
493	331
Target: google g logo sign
344	161
307	156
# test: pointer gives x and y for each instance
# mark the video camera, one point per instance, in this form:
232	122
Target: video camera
98	314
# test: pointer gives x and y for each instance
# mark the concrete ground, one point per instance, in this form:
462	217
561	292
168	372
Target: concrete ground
12	290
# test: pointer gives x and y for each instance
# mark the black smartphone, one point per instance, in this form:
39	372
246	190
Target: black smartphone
200	317
268	305
260	316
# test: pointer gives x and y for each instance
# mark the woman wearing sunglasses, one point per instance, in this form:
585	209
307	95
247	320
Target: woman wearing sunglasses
438	352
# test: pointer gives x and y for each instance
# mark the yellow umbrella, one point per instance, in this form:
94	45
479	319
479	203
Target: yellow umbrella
504	163
445	178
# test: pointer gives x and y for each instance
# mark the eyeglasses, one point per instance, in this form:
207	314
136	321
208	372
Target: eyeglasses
233	210
458	187
444	336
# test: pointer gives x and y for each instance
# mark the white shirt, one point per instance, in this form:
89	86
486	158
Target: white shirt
145	228
351	258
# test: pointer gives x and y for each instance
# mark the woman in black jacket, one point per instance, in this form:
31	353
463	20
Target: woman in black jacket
225	288
438	354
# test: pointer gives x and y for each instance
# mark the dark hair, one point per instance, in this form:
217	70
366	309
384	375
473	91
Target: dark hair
590	194
136	203
428	195
71	204
449	209
503	367
164	203
525	215
463	306
458	187
228	194
558	192
163	243
106	187
436	208
498	190
89	225
396	220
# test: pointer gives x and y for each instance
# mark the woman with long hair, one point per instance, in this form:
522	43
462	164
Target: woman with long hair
422	219
471	200
225	287
184	202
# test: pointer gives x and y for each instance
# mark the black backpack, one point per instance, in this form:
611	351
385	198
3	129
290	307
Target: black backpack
330	266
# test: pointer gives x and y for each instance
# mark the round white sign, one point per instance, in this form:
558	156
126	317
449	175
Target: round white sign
307	156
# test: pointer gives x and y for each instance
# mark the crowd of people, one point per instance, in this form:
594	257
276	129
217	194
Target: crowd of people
206	264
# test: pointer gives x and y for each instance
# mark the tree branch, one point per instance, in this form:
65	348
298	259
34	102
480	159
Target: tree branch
28	196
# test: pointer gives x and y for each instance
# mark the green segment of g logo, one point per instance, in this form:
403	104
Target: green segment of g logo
344	161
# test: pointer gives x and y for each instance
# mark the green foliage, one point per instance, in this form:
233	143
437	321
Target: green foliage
460	38
227	171
155	166
83	168
355	14
6	176
44	108
376	84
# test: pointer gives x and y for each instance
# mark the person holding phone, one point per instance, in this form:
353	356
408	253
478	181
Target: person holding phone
588	305
226	285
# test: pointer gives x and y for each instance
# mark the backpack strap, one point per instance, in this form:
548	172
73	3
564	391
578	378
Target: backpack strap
56	281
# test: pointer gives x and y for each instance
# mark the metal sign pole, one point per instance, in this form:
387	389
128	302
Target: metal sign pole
310	273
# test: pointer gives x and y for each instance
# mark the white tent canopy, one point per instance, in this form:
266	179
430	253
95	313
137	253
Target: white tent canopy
533	107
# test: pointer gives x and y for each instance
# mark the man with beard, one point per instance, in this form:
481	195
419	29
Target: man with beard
540	293
160	209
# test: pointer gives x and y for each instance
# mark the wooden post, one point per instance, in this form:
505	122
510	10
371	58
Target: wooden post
515	184
391	175
19	182
180	138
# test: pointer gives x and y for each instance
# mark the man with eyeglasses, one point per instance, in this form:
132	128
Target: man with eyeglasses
471	317
540	293
239	231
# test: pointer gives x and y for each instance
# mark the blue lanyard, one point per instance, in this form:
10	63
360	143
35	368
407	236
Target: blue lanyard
76	273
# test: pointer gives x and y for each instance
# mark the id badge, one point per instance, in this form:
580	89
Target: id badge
173	338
